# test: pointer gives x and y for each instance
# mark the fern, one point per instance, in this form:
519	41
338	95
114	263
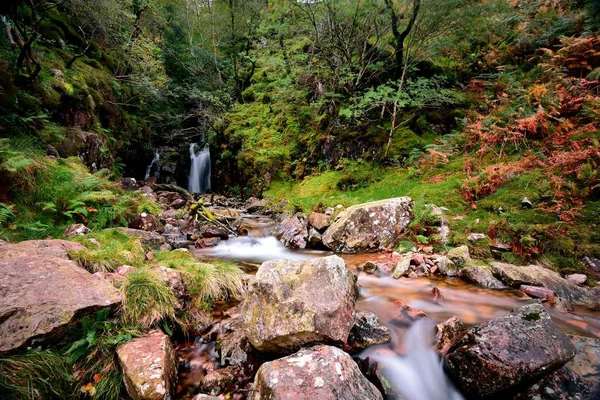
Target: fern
6	213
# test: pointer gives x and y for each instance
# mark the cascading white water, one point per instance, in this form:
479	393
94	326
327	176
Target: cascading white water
149	167
419	374
199	178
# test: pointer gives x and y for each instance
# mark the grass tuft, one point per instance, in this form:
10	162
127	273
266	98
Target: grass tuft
205	281
146	299
34	375
107	250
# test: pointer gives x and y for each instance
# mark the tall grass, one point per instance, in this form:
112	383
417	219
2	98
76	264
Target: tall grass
34	375
205	281
146	299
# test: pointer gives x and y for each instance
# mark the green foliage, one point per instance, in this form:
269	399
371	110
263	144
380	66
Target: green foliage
205	281
34	375
147	300
107	250
93	355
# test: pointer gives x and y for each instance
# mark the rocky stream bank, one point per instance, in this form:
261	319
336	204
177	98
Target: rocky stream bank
325	320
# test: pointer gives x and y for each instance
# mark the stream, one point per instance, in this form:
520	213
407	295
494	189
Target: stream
439	297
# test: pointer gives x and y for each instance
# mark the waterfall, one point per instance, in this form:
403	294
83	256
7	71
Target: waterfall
199	178
149	167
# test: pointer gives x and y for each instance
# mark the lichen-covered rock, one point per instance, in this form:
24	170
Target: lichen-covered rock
447	334
314	237
369	227
321	372
459	255
509	352
563	384
319	221
535	275
43	293
219	381
445	266
367	331
76	230
480	275
293	303
578	279
149	367
402	268
586	362
293	231
146	222
148	239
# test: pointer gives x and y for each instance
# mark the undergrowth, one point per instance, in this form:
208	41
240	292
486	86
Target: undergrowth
47	195
107	250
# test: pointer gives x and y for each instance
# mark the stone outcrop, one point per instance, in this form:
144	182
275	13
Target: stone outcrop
535	275
43	293
367	331
149	367
293	232
369	227
586	362
321	372
507	353
481	275
293	303
319	221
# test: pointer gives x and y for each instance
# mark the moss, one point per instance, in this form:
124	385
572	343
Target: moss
534	316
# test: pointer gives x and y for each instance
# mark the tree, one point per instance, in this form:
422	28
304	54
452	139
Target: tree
23	31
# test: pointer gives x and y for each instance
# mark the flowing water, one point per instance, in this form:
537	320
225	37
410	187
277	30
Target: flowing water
414	366
149	167
199	177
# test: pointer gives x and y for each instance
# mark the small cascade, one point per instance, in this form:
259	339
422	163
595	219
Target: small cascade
199	178
418	374
149	167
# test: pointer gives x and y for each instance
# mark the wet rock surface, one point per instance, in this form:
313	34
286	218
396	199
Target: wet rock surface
586	362
321	372
481	275
563	384
149	368
367	331
369	227
508	353
43	293
294	303
293	232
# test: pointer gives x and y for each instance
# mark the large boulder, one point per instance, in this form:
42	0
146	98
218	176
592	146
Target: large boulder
508	353
369	227
535	275
293	231
149	367
321	372
293	303
43	293
481	275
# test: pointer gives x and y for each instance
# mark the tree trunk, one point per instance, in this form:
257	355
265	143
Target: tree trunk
400	37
